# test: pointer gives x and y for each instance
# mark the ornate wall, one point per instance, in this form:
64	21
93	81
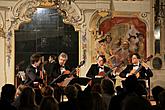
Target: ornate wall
86	17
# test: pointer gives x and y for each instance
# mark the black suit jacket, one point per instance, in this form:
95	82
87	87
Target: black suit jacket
32	76
50	69
94	70
56	74
144	73
56	70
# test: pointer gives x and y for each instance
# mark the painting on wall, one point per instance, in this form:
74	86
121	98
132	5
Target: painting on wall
120	37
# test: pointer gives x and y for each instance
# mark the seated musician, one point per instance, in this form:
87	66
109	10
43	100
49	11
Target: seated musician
100	69
60	69
33	71
140	69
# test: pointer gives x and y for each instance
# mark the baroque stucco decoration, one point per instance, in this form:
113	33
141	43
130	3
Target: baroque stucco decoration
24	9
21	12
72	14
95	21
2	33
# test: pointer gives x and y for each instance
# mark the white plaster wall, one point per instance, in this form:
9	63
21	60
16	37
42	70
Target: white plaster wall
3	77
6	71
132	6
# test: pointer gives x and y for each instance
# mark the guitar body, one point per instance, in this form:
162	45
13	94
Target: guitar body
66	72
101	73
65	82
133	72
66	76
137	72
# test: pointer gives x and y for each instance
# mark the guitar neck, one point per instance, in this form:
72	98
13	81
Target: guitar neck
73	71
138	69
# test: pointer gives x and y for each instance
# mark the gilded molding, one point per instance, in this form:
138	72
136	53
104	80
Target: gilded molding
2	33
22	12
84	41
72	14
1	21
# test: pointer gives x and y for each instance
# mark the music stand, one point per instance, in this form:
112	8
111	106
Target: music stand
97	80
59	79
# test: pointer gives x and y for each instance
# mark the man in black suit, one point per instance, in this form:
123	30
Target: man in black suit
142	72
50	67
60	71
140	69
33	72
100	69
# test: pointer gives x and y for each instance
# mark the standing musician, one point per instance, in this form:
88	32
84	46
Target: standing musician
33	71
144	72
99	69
50	67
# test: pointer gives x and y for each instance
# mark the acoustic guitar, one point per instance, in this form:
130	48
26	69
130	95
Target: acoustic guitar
65	75
136	72
103	74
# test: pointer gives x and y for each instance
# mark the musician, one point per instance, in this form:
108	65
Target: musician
33	72
60	68
100	69
144	73
50	67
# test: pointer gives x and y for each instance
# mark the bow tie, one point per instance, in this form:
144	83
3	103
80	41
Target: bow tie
101	67
135	65
62	66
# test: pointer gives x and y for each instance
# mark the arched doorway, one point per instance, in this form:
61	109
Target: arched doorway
45	34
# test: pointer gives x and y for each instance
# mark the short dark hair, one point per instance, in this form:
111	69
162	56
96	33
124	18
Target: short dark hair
35	58
8	92
53	57
103	57
137	55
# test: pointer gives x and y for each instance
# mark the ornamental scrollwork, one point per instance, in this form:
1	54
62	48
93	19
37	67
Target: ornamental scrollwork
2	33
22	12
84	40
72	14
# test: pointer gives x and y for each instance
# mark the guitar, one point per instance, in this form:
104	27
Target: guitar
66	74
136	72
103	74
